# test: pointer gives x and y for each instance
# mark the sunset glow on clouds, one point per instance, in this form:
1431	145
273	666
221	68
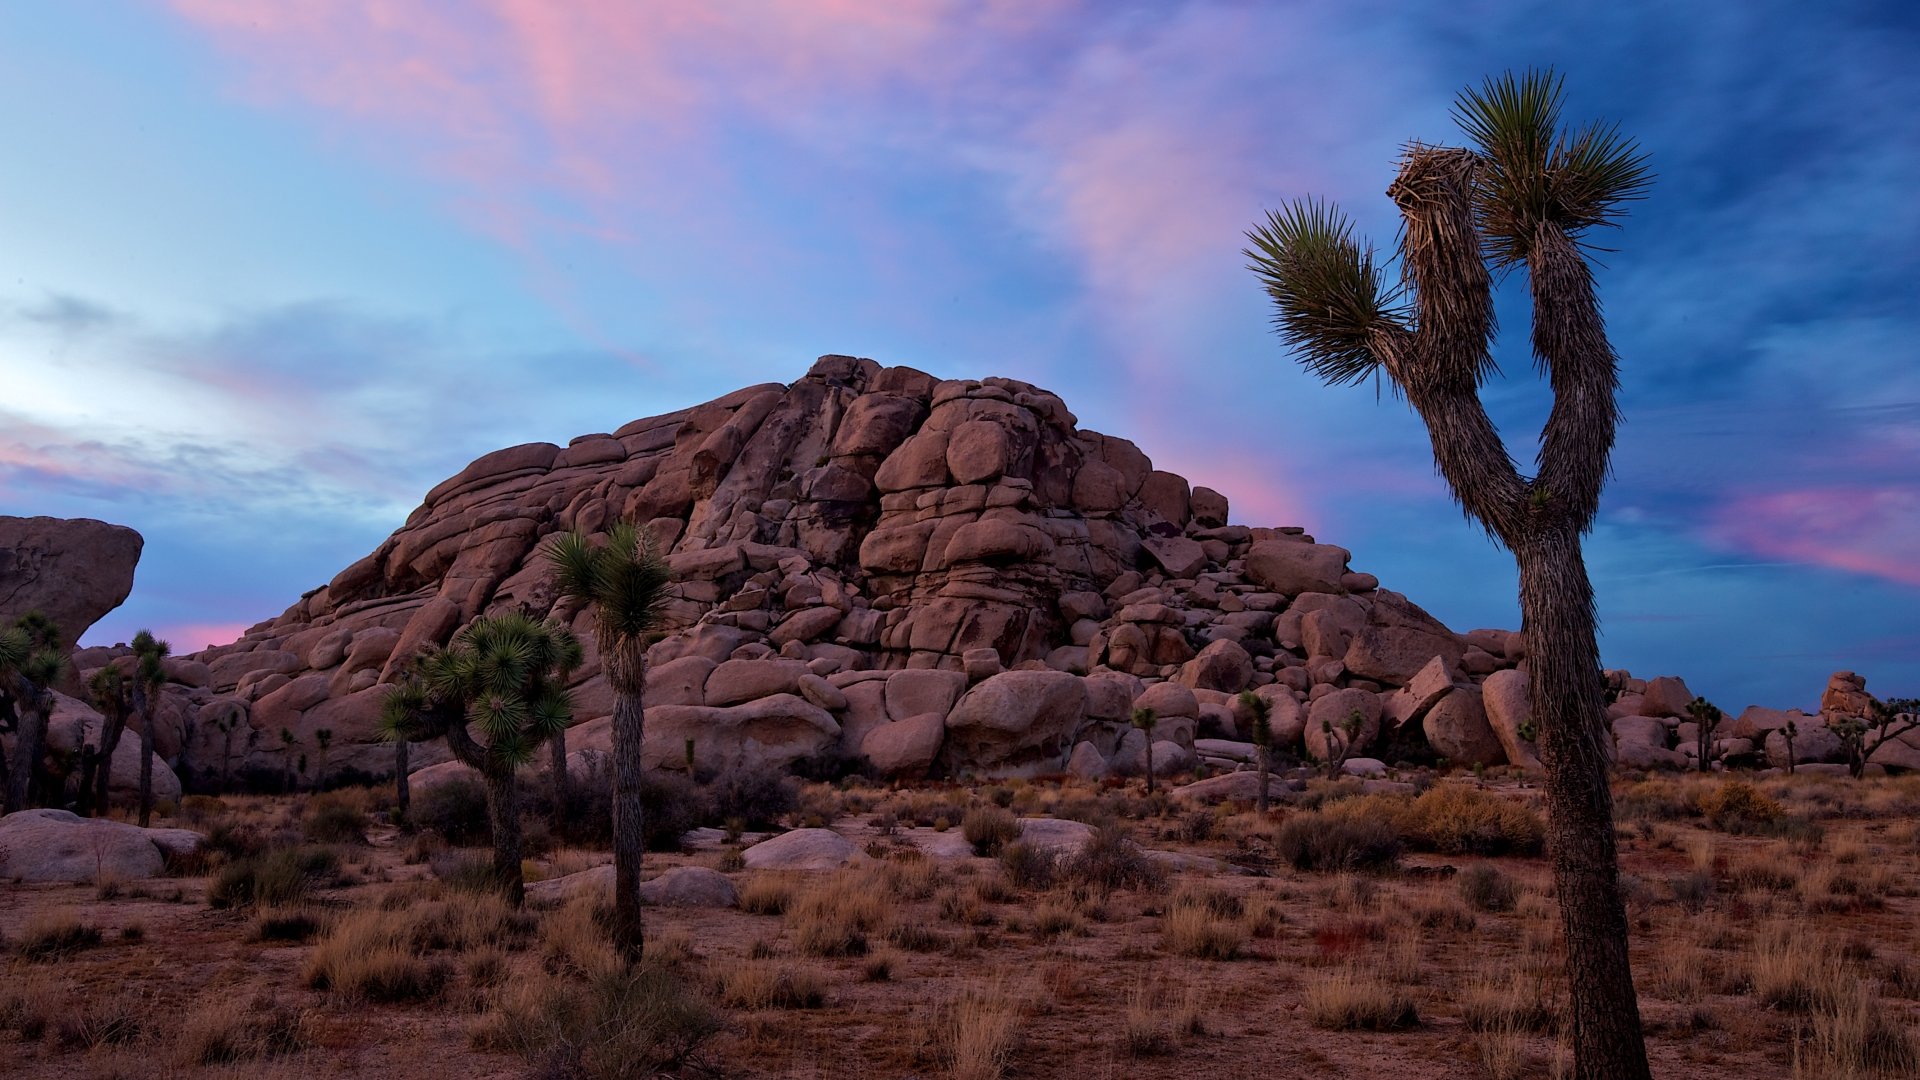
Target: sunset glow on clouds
317	254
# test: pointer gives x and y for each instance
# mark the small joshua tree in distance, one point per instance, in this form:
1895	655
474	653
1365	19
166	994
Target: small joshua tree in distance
1340	741
1706	717
149	675
1261	735
1863	736
1145	719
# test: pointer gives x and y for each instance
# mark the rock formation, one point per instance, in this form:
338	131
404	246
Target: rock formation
72	570
922	577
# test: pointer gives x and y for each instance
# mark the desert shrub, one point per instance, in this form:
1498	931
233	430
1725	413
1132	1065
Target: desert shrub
219	1034
1506	1003
233	840
334	820
1738	807
50	938
371	956
279	878
1795	971
455	808
619	1024
278	924
1346	999
1455	819
464	872
758	798
200	810
989	828
1485	888
30	1001
1029	866
1196	931
1328	840
672	805
1855	1036
1112	861
757	984
1653	800
1053	919
111	1018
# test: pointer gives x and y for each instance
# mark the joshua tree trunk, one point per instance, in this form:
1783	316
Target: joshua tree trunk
1265	762
1149	762
111	730
146	768
503	818
629	815
558	747
1567	693
28	744
402	795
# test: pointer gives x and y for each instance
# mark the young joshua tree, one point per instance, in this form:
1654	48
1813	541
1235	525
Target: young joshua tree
625	581
1524	195
30	664
1261	735
1706	717
149	675
1145	719
110	694
1341	740
505	676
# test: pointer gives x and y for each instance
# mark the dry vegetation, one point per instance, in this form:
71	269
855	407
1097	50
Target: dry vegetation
1403	935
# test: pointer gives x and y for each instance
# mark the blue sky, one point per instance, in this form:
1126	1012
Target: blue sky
271	270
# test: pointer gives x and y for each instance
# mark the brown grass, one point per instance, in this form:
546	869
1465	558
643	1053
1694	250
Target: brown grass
979	1029
1352	999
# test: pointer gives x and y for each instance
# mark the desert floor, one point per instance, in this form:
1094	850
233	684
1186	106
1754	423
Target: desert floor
1774	936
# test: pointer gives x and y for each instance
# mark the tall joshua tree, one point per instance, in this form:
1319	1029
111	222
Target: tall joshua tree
505	676
625	581
110	694
1144	719
149	675
1524	195
30	663
1259	712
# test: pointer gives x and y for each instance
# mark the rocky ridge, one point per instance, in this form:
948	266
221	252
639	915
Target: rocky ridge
919	576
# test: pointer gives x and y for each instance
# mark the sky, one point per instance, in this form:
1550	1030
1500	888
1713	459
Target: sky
270	269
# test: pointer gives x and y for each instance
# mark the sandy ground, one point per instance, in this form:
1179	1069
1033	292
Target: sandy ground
1077	995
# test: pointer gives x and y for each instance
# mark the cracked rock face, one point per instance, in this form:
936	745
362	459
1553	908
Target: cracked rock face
863	548
72	570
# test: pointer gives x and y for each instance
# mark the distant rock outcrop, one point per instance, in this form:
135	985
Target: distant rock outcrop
73	570
874	565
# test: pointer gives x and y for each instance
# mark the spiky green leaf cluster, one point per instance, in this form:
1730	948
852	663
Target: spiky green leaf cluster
1328	297
625	579
30	651
1535	174
150	667
504	676
1260	733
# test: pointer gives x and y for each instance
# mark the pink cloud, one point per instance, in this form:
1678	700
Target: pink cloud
192	637
1873	531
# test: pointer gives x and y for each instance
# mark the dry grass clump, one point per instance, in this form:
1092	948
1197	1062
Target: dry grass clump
978	1030
219	1034
1054	918
610	1026
989	828
766	895
30	1001
50	938
280	878
1159	1017
1854	1036
1352	999
284	924
1507	1001
1795	971
1485	888
1766	869
833	917
372	956
759	984
1197	931
1457	819
574	939
109	1018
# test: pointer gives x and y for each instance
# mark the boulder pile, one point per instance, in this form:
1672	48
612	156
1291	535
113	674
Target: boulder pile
917	576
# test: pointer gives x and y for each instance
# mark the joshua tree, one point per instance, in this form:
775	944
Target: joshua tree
323	738
289	744
30	663
1261	710
1787	735
1145	719
1524	195
1862	736
402	792
505	675
1706	717
109	693
625	581
149	675
1340	740
227	719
